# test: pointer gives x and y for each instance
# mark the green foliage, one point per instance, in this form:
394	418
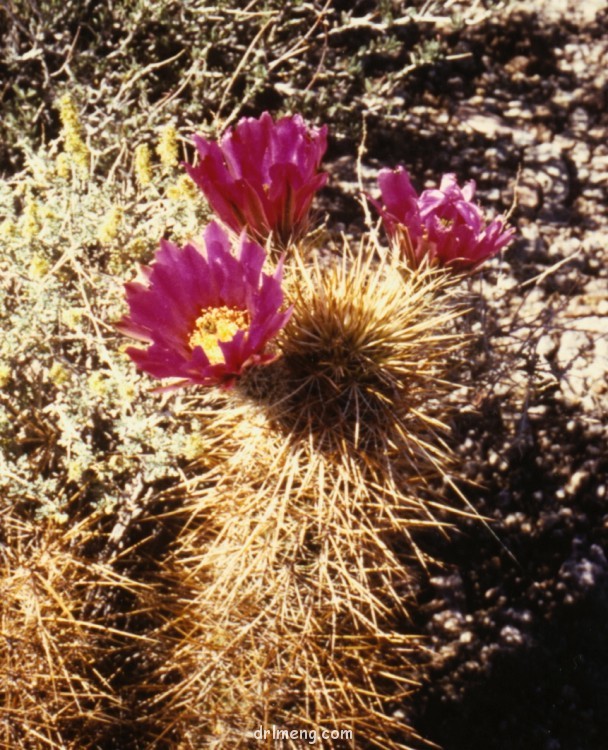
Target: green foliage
72	417
134	65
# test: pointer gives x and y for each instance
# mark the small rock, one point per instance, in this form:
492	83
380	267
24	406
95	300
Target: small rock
547	346
571	344
576	481
512	635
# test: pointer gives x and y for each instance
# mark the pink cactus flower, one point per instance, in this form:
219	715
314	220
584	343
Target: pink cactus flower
442	226
399	205
262	176
205	314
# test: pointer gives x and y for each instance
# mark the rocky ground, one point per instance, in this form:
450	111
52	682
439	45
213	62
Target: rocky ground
516	617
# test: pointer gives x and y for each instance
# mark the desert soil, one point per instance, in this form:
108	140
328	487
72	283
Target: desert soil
516	617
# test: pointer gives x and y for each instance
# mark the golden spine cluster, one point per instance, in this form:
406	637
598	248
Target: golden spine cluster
55	638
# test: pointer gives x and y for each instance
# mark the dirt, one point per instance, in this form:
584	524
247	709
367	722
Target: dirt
515	618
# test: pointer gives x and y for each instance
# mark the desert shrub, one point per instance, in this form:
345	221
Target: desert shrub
133	66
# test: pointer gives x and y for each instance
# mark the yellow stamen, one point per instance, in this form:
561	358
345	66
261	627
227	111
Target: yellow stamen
216	324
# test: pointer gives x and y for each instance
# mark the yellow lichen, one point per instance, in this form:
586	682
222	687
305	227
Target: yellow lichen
8	229
72	317
182	190
121	258
80	154
126	391
98	383
69	114
46	212
136	246
29	223
62	166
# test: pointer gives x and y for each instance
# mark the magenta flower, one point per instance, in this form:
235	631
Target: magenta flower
205	314
442	225
263	175
399	206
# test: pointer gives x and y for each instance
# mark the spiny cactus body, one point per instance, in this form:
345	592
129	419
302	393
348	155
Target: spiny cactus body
292	575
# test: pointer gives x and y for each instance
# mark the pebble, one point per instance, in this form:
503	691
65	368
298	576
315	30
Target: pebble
512	635
547	346
450	621
576	481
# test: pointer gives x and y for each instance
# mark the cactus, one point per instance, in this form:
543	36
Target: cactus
53	690
275	587
291	577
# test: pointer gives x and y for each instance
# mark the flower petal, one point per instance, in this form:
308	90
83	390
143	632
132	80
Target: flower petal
442	224
190	287
262	175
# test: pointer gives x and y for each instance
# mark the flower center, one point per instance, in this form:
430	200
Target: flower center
216	324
